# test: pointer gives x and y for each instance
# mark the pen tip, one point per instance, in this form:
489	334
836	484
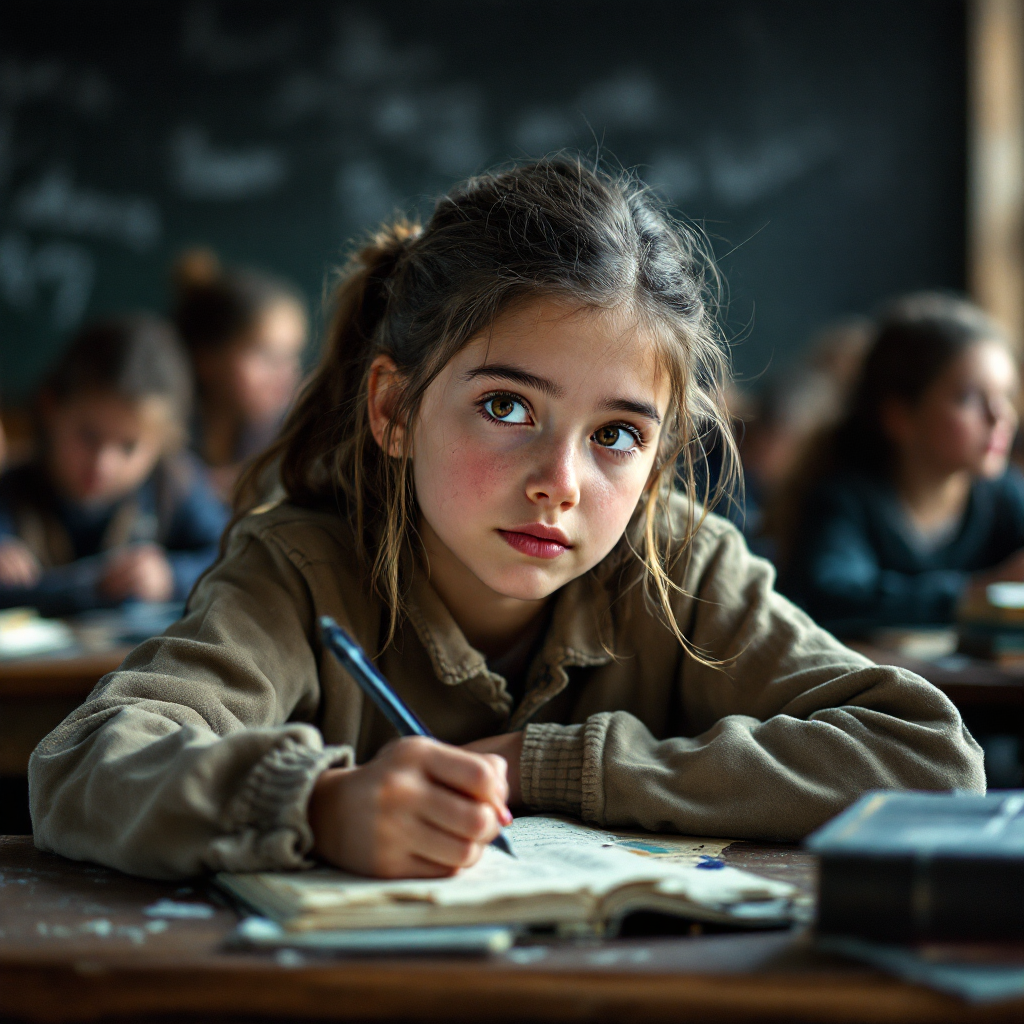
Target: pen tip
503	843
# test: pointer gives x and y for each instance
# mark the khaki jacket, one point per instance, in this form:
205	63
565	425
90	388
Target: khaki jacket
200	752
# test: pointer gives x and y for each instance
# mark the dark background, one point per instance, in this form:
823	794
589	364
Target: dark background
821	145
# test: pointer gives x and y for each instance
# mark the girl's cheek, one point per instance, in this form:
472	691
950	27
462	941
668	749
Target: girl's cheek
614	495
474	471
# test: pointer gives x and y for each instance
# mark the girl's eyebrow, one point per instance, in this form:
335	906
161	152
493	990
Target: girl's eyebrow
630	405
500	371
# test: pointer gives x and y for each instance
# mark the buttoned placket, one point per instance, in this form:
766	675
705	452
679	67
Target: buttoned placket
578	636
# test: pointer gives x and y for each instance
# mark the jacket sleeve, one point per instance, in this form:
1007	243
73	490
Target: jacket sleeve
195	754
789	731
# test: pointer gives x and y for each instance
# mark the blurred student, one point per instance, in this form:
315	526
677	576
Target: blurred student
109	509
779	422
908	499
245	332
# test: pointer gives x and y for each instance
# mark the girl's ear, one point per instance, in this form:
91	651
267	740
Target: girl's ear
383	389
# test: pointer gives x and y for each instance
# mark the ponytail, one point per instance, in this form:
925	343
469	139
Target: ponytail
327	426
214	306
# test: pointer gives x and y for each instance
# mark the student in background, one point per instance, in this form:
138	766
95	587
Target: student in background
480	487
779	421
245	332
789	410
109	509
907	502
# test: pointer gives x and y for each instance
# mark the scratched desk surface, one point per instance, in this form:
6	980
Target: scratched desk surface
77	944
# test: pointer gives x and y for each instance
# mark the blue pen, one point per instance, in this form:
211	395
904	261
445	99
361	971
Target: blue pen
376	687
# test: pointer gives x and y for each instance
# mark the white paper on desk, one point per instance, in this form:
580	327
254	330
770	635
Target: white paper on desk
24	634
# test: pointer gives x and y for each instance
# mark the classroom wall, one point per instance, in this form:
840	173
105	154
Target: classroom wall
821	145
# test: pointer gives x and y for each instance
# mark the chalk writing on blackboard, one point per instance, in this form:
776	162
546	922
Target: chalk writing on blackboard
56	203
205	171
740	173
27	81
64	269
207	41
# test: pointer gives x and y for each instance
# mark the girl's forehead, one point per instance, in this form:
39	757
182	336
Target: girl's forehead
577	343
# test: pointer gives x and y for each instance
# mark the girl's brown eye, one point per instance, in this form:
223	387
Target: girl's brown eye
501	407
607	436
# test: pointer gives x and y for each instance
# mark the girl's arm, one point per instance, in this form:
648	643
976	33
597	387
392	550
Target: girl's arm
790	732
185	759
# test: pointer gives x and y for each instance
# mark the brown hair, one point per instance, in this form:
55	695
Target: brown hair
214	306
549	228
134	357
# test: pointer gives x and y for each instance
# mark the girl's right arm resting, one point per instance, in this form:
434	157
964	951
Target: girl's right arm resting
185	759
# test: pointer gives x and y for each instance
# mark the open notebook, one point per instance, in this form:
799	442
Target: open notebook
565	874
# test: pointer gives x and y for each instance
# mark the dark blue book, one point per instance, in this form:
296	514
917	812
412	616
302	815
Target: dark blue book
910	867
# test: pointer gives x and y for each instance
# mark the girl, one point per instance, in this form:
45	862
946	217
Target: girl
109	510
916	504
245	332
478	486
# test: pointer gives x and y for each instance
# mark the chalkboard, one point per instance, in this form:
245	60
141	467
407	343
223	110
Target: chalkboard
821	145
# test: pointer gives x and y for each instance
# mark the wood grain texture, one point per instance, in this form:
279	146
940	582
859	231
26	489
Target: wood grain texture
76	945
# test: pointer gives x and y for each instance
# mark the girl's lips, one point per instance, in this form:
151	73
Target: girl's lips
535	547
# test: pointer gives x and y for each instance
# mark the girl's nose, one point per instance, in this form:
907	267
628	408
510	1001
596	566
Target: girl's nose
555	481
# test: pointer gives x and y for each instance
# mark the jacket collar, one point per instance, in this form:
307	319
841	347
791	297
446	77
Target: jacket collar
580	634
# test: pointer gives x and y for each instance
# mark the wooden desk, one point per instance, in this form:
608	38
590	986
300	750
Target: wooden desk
74	946
36	694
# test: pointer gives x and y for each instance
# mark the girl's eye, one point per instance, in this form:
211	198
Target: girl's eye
506	408
618	439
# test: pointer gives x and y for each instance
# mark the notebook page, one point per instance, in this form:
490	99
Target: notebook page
553	857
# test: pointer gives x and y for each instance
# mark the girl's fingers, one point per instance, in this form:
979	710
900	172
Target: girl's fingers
434	844
419	867
476	775
459	816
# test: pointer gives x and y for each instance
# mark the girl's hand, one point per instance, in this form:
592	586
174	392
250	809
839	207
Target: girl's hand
142	572
510	747
419	809
18	566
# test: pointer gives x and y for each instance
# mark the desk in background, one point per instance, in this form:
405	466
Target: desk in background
38	692
76	945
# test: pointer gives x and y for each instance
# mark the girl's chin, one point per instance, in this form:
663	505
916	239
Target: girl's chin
526	587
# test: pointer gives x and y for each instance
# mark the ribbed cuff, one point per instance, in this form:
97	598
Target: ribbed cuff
551	768
273	800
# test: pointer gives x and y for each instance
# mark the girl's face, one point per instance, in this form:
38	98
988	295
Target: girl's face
102	447
966	419
257	375
533	446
